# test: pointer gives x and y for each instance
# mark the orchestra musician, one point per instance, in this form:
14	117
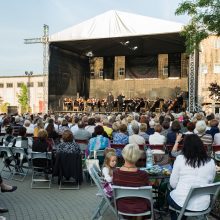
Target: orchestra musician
120	102
110	102
155	105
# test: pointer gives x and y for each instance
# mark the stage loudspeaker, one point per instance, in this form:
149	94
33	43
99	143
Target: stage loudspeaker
12	110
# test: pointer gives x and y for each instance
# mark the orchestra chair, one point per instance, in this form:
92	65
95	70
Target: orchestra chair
75	108
209	189
144	192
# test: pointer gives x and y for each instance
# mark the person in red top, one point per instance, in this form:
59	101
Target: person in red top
129	175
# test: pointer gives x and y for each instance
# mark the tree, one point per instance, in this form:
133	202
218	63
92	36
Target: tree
23	98
205	21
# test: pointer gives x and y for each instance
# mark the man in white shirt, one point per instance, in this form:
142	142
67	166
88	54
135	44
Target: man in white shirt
157	138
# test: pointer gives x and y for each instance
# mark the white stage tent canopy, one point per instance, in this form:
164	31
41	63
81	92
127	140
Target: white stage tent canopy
113	24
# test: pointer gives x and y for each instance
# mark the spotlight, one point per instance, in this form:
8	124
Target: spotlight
89	54
135	48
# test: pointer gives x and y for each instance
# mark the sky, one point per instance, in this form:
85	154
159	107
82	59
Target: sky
22	19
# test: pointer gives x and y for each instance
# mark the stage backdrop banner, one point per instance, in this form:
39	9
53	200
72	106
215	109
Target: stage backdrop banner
68	76
174	64
108	67
142	67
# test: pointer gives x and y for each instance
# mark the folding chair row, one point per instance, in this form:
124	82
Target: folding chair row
41	169
13	163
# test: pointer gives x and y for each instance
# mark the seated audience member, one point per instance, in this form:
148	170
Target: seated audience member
16	125
214	128
157	138
22	141
82	134
190	128
165	126
4	125
142	132
171	135
217	139
115	128
74	128
51	121
91	125
192	168
40	125
8	138
52	132
68	145
27	125
150	129
107	171
41	144
98	142
64	126
136	138
107	128
129	175
121	137
201	129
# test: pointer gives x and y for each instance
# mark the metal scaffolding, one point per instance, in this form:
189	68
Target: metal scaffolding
45	41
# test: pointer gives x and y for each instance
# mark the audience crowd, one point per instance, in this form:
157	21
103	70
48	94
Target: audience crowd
86	132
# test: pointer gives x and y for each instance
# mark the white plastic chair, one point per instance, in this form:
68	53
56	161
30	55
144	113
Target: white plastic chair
105	201
38	174
136	192
209	189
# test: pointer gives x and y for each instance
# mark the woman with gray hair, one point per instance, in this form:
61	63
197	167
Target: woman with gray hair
201	129
135	138
129	175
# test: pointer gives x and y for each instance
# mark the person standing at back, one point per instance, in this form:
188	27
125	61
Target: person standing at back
110	102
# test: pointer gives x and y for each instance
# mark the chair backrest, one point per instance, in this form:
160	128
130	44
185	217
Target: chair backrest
117	146
41	155
6	150
145	192
209	189
215	148
96	153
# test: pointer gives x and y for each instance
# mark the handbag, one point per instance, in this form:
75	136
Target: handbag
107	188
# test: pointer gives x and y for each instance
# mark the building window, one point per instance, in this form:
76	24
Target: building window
40	84
92	73
121	71
204	69
217	43
9	85
101	73
165	70
19	84
30	84
1	85
216	68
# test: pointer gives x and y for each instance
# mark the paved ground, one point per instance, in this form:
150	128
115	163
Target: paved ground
45	204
